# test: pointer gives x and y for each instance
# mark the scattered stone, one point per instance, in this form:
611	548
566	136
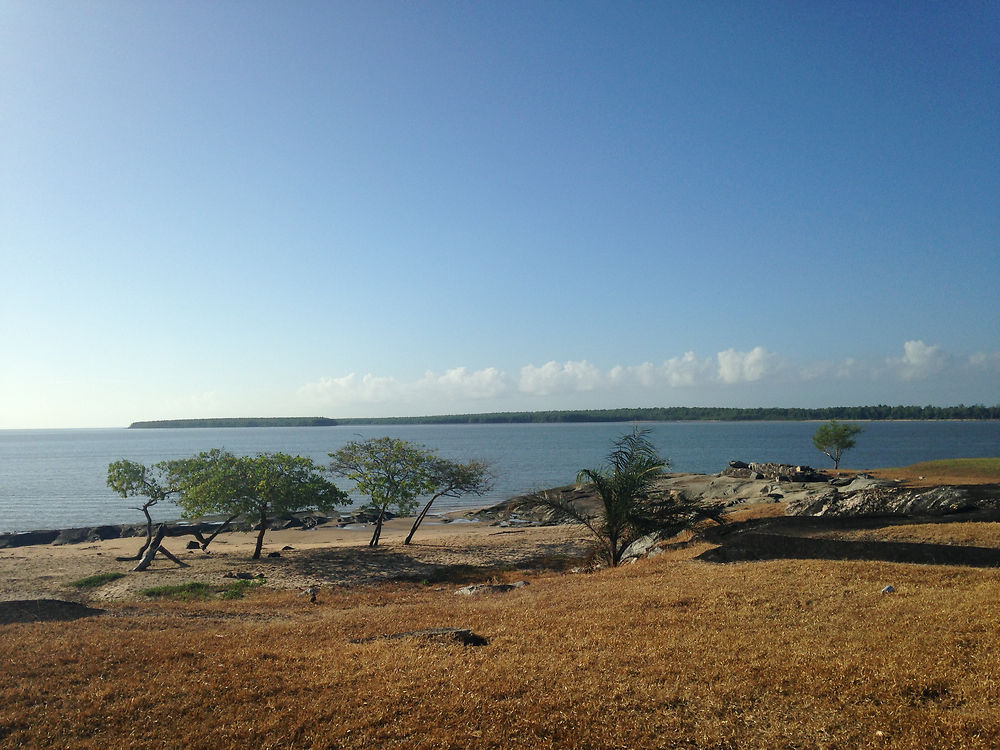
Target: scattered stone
490	588
287	547
774	472
274	554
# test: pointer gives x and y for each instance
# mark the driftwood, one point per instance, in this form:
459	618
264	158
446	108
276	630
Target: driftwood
157	546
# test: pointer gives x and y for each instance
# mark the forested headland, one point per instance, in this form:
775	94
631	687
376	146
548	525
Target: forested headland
646	414
236	422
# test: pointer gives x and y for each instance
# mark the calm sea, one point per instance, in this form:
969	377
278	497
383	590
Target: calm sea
56	478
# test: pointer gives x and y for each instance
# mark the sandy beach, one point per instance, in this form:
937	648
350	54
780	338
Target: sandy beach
324	556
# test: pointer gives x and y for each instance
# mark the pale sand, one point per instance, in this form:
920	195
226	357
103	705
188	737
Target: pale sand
324	556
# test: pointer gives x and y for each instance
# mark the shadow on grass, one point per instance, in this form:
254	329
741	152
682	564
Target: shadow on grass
789	538
44	610
429	563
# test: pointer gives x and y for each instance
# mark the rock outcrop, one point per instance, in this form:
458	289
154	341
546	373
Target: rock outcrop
804	491
772	471
882	500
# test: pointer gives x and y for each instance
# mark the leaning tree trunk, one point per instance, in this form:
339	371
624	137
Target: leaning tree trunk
378	528
260	535
205	541
149	537
420	518
157	546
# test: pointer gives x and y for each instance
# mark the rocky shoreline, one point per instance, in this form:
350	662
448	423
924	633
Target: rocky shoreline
805	492
178	528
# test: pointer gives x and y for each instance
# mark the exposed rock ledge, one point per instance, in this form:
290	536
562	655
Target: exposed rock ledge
805	492
861	495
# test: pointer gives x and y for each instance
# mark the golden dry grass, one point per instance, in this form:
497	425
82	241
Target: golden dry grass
944	531
947	471
664	653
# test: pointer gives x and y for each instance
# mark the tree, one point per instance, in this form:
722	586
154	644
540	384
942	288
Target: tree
393	473
453	479
630	505
258	486
132	479
833	438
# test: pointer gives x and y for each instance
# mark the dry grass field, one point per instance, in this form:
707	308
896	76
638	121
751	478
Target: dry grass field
663	653
667	652
960	471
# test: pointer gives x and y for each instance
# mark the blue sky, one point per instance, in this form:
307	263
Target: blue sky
389	208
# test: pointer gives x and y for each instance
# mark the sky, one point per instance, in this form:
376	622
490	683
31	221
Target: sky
392	208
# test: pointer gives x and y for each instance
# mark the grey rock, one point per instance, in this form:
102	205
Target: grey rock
882	499
72	536
641	547
489	588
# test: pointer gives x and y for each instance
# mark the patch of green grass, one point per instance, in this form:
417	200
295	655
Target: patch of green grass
201	590
92	582
180	591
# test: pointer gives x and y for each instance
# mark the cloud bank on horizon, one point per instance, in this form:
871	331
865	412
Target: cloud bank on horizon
581	384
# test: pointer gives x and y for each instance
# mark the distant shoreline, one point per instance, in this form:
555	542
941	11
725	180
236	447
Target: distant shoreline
880	413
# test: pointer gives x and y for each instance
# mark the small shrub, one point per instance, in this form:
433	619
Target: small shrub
92	582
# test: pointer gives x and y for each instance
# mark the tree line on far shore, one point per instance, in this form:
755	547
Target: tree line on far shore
644	414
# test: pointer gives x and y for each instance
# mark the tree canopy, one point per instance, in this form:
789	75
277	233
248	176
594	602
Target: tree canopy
132	479
259	486
453	479
834	438
390	471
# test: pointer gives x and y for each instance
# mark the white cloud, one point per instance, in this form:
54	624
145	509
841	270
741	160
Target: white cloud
350	389
745	367
687	370
918	361
553	377
687	377
461	383
457	383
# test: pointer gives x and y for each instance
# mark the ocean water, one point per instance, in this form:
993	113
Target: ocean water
56	478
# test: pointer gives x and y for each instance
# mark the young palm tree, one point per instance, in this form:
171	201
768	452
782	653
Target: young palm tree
631	506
